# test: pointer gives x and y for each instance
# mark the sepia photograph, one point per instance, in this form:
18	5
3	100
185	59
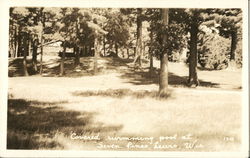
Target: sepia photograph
125	79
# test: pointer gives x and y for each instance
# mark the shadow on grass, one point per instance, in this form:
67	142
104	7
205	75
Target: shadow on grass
16	67
120	93
116	63
34	125
205	69
144	77
52	68
106	64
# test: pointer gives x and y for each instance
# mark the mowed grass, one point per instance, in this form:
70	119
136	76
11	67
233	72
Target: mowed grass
43	112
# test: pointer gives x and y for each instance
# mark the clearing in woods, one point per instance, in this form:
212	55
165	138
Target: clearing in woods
44	112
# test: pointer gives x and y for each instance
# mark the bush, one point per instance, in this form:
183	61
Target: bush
238	54
174	57
213	51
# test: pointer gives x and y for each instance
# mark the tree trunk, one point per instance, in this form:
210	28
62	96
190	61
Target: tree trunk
137	59
77	56
25	52
80	52
193	78
127	53
16	46
85	51
25	65
151	53
95	69
28	45
116	49
163	81
41	53
95	64
76	48
62	72
104	44
163	78
151	64
90	50
15	42
34	53
143	50
233	45
134	51
11	48
19	43
123	54
11	40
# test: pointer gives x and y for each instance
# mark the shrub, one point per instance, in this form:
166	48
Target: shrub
238	54
174	57
213	51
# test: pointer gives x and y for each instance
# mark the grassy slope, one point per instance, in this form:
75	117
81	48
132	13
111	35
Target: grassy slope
122	102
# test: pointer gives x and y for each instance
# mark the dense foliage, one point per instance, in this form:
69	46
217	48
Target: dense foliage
146	32
213	51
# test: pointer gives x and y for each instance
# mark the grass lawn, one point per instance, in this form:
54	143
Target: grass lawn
118	109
